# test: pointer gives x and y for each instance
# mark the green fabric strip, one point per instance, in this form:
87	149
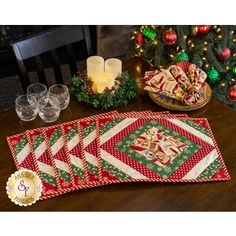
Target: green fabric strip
48	179
64	175
92	169
196	126
21	144
77	171
37	141
109	125
114	171
71	133
211	169
86	131
55	136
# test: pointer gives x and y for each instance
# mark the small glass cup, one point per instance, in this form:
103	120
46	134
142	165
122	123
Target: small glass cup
38	90
62	94
26	107
49	108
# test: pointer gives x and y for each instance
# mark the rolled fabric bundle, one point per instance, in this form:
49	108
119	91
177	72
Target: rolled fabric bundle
184	65
174	83
197	76
150	74
191	97
164	83
180	77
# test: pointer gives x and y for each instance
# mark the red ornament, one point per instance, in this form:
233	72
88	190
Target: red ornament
139	38
225	54
184	65
169	37
202	30
232	93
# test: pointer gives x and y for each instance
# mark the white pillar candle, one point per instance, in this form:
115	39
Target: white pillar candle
113	67
95	68
103	74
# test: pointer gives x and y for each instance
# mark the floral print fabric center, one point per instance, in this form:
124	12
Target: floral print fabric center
158	147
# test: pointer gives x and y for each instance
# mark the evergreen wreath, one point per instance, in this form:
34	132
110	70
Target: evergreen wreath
124	89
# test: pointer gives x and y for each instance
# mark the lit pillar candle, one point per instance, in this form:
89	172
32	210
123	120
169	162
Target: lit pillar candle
113	67
95	68
103	76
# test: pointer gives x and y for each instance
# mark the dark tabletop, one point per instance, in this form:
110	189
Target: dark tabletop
133	196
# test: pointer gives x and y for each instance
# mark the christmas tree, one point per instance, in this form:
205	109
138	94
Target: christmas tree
213	48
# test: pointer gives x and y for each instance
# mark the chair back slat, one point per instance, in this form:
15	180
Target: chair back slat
88	40
40	70
22	72
50	41
71	59
56	67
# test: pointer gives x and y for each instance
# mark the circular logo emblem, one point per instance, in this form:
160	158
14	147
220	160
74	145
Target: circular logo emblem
24	187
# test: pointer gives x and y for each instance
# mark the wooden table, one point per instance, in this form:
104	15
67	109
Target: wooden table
133	196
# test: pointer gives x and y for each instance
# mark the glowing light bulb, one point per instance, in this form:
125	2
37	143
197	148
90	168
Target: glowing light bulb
138	69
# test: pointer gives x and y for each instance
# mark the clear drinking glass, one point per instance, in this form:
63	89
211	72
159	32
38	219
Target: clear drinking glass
62	94
38	90
26	107
49	108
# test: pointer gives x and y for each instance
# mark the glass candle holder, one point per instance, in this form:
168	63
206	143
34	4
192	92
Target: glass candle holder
62	94
26	107
38	90
49	108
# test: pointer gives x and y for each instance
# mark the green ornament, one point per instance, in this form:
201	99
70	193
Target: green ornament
181	56
213	75
234	70
149	33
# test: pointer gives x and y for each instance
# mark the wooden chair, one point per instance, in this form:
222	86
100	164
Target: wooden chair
50	41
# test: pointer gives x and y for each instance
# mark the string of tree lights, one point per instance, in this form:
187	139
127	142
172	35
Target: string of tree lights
213	48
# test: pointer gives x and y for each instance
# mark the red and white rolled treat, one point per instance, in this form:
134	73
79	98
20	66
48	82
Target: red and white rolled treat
197	76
